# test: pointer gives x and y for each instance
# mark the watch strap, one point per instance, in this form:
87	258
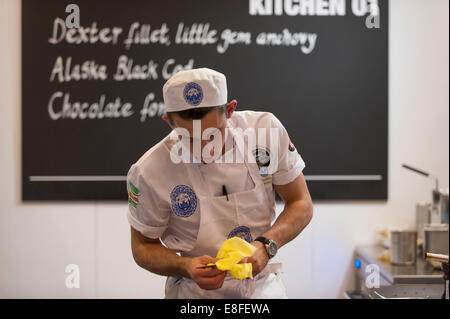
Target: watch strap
264	240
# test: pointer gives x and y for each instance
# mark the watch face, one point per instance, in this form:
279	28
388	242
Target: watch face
272	249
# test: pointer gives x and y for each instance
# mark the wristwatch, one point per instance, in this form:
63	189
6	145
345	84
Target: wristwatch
271	246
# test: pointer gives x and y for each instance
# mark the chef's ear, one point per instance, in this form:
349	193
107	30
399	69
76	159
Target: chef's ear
168	121
231	107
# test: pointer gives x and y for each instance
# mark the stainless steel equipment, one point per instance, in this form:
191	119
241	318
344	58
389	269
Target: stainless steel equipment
439	207
436	257
436	239
420	280
403	247
430	291
422	218
443	259
443	204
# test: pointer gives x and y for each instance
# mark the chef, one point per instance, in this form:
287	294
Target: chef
181	212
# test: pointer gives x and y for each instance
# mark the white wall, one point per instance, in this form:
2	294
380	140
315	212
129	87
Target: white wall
37	240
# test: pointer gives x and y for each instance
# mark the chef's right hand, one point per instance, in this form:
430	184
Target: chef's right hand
208	278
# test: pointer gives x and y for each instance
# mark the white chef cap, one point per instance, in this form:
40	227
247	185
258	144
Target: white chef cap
195	88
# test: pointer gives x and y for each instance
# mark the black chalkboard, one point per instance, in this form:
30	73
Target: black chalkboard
328	86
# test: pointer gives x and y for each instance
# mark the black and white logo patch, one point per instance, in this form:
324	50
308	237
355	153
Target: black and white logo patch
262	157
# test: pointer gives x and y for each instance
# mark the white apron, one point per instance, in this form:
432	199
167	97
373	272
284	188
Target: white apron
245	214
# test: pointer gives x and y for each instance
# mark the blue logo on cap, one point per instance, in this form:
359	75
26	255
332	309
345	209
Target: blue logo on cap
193	94
183	200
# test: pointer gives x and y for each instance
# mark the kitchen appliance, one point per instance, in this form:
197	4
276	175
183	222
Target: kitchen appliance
439	206
443	260
443	204
422	218
406	292
403	247
436	240
419	280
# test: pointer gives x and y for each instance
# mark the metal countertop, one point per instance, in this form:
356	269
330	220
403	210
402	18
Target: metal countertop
419	273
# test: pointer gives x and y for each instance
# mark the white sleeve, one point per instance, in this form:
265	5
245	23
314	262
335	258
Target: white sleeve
147	212
290	163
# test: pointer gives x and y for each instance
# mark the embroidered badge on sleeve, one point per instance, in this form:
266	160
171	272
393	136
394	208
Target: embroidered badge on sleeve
133	195
291	146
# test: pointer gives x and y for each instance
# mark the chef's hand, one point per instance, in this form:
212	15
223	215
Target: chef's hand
208	278
259	259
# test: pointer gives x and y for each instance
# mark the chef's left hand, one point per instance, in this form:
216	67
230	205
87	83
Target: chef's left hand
259	259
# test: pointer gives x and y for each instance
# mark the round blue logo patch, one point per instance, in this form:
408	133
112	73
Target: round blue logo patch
193	94
184	201
241	232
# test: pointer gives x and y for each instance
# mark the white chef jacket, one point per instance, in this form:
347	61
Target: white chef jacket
154	180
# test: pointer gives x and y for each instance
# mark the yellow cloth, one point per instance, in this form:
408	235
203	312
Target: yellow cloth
230	253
